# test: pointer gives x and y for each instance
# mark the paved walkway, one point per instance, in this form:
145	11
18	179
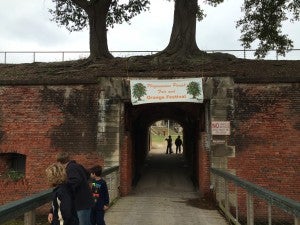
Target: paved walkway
164	196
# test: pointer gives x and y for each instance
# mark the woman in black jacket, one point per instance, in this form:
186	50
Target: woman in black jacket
63	207
77	179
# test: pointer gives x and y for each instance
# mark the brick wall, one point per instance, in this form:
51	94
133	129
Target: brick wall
266	134
3	165
39	121
204	164
126	165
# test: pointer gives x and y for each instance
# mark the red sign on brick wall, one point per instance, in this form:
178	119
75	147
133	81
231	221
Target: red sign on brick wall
220	127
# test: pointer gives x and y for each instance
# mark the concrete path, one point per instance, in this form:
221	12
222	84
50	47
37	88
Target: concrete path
164	196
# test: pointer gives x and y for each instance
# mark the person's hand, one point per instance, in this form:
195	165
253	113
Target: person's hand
50	217
105	207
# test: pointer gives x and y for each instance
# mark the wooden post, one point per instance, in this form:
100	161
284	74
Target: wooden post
250	210
29	218
226	192
236	204
269	214
297	220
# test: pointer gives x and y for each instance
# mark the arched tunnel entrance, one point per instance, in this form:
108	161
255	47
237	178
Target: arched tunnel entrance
138	119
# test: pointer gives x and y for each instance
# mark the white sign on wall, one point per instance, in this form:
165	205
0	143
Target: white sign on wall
158	91
220	127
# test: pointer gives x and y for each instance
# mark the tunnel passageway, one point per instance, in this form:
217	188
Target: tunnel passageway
138	121
164	174
162	196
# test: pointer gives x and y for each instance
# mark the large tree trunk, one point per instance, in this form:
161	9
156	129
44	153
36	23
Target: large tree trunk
97	14
182	43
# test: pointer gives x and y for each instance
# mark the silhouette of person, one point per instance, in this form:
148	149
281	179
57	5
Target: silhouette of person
169	145
178	143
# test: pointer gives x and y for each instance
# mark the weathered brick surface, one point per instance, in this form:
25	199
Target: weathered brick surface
204	166
40	121
3	165
126	166
266	135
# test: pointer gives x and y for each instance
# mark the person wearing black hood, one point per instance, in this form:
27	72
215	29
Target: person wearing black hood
63	207
77	179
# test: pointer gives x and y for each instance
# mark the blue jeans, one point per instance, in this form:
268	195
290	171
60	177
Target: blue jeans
84	216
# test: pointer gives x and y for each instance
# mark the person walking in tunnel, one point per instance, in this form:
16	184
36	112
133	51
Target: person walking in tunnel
178	143
169	145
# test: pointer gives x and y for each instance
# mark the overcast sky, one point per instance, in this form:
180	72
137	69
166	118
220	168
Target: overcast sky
26	26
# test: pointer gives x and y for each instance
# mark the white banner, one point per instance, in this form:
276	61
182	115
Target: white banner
158	91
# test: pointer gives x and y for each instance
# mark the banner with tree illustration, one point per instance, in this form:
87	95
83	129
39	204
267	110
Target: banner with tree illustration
158	91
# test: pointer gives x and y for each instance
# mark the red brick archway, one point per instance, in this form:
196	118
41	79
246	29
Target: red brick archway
135	147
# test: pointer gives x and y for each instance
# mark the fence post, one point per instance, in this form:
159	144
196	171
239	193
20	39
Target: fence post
269	214
29	218
115	184
226	196
297	220
250	211
236	204
216	187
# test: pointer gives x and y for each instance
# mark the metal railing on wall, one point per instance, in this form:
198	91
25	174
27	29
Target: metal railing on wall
27	206
243	202
15	57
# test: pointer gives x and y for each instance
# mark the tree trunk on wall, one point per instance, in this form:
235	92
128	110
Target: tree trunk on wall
98	32
182	42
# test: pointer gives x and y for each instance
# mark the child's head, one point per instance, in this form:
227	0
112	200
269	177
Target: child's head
96	171
63	157
56	174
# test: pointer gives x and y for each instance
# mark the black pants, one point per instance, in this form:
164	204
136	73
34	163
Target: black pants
169	150
97	217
